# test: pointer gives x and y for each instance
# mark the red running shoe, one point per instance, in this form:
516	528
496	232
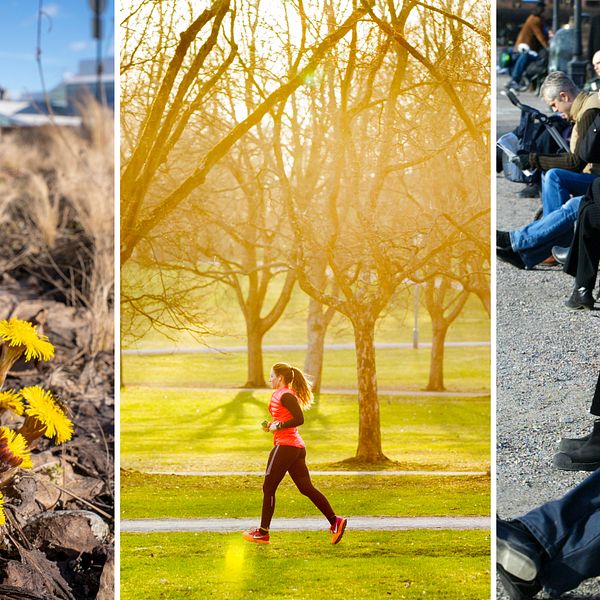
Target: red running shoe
256	536
337	529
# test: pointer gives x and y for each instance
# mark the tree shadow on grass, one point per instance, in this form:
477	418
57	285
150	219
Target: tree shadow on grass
236	411
230	414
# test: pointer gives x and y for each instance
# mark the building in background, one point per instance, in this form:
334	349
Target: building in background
64	100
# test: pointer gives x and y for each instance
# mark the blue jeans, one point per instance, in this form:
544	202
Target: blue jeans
522	61
569	531
534	241
558	185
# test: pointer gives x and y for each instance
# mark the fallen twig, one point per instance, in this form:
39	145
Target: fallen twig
93	507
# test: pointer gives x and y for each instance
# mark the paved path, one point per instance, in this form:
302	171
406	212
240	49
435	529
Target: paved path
328	473
284	347
305	524
353	392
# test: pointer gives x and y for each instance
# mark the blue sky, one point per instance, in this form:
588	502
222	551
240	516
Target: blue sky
66	39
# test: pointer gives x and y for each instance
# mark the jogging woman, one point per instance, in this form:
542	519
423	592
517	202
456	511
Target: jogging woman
292	394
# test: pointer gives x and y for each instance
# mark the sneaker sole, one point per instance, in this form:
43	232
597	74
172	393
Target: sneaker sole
579	305
249	538
513	562
516	591
336	540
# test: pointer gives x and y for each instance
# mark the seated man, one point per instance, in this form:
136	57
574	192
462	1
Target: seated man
594	84
555	546
565	176
531	244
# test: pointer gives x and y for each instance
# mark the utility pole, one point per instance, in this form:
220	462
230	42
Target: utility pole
98	7
555	4
577	64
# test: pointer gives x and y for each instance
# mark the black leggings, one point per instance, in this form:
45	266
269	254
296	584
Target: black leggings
290	459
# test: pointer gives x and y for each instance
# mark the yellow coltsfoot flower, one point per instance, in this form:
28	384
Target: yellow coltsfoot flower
14	451
10	400
23	335
2	515
44	416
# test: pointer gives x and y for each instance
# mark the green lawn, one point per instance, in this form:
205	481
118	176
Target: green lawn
188	430
146	496
303	565
465	369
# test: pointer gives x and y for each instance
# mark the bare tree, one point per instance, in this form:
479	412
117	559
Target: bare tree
372	237
462	196
164	123
168	81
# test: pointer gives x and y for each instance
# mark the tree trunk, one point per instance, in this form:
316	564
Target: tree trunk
316	328
255	356
443	306
436	364
121	378
485	299
369	428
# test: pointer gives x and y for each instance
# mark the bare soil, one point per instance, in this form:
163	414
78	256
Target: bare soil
58	540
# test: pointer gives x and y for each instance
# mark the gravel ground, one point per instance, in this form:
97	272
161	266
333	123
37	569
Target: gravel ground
547	365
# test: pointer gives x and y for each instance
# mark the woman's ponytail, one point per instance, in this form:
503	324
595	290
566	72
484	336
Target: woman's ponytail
301	386
297	381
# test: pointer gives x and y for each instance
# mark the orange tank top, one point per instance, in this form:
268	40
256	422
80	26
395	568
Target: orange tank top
288	436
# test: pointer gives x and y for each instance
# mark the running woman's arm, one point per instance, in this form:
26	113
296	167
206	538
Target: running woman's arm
291	403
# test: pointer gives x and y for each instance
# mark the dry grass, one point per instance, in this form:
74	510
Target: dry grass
57	201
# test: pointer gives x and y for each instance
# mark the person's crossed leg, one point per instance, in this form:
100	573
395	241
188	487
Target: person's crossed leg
555	546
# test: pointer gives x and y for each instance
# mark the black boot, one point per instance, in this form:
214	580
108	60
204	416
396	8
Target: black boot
502	239
510	256
584	458
570	444
532	190
580	298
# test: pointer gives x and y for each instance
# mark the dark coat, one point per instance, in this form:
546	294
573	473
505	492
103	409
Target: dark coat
595	410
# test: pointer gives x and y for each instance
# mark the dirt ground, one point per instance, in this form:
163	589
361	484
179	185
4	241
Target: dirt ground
59	533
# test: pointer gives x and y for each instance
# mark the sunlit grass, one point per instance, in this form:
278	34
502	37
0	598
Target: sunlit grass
225	320
304	565
187	430
145	496
465	369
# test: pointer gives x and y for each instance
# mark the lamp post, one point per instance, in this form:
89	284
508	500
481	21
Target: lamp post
577	65
98	7
415	341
